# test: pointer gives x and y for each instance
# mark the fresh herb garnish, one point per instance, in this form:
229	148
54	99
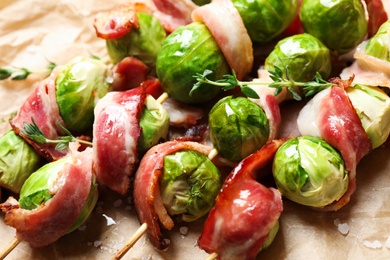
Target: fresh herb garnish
22	73
33	132
281	79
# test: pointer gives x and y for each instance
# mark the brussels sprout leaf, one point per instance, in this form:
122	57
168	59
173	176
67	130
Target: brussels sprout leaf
33	132
281	79
22	73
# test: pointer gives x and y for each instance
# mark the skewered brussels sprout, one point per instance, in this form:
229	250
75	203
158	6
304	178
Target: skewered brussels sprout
379	45
78	87
309	171
373	107
190	50
18	160
302	55
38	189
190	184
143	42
238	127
154	122
340	24
266	19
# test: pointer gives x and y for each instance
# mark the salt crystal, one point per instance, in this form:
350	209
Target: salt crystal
387	244
374	245
110	221
128	208
117	203
82	227
97	243
184	231
343	228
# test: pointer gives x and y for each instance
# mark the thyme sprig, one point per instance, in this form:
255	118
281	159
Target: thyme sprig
33	132
16	73
281	79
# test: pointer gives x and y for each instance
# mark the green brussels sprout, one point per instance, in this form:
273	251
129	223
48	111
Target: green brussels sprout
18	160
201	2
238	127
189	185
271	236
36	190
303	55
309	171
143	42
190	50
266	19
154	122
373	107
379	45
340	24
78	87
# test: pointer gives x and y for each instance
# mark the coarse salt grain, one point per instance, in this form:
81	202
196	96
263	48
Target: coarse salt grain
82	227
183	231
97	243
342	227
374	245
110	221
117	203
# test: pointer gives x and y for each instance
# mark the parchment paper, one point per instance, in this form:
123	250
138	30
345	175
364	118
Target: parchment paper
34	32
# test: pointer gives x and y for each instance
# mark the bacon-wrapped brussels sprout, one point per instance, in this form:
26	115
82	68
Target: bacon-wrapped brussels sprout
309	171
189	185
379	45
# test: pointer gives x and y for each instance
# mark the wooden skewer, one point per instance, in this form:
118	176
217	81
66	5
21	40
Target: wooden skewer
141	230
212	256
9	248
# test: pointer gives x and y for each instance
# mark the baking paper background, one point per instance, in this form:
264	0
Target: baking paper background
33	32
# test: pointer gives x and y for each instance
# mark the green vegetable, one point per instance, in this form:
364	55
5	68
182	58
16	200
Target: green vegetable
303	55
379	45
38	189
309	171
271	236
154	122
266	19
22	73
340	24
79	86
18	160
143	42
201	2
373	107
190	184
187	51
238	127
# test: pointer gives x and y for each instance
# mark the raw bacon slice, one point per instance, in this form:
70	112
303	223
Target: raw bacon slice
129	73
53	219
147	198
245	210
182	115
116	132
227	28
42	106
377	16
331	116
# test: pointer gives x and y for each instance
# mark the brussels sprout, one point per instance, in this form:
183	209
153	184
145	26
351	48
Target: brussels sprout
78	87
379	45
154	122
143	42
340	24
373	107
271	236
18	160
302	55
36	190
190	184
309	171
266	19
201	2
238	127
187	51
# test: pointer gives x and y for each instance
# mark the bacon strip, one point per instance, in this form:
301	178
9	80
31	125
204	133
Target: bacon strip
245	210
147	198
42	106
53	219
116	132
377	16
339	125
227	27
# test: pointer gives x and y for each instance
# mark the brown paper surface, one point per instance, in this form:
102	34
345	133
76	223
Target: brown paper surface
35	31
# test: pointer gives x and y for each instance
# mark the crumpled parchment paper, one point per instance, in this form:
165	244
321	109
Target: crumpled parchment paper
34	32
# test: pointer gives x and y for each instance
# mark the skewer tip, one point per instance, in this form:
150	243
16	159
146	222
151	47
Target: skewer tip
137	235
8	249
